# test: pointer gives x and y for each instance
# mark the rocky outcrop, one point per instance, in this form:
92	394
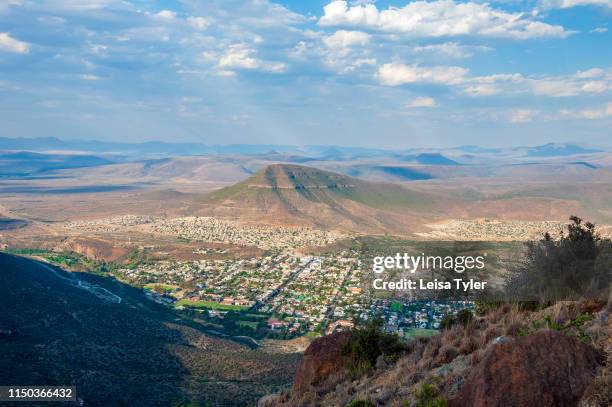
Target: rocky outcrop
547	368
324	364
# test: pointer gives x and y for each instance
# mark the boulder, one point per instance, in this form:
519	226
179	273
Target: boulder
323	362
547	368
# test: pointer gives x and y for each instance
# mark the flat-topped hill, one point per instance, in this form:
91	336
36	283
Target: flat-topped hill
300	195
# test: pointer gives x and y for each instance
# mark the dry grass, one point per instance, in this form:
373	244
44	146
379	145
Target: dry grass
446	354
446	359
490	333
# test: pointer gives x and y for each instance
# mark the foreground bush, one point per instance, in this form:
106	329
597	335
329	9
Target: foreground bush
574	266
367	343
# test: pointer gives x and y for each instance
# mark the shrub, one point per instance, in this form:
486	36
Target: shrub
428	396
369	342
574	266
463	317
483	307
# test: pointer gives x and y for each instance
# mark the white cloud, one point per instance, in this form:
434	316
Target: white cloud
423	101
239	56
547	4
264	13
10	44
554	88
522	115
343	51
591	81
88	77
199	23
439	18
599	30
588	114
396	74
491	84
451	50
481	89
346	39
594	87
168	14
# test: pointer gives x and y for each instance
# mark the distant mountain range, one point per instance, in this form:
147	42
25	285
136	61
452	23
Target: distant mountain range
430	156
558	150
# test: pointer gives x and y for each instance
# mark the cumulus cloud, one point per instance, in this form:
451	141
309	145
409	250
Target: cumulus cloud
439	18
240	57
396	74
423	101
168	14
343	39
342	51
10	44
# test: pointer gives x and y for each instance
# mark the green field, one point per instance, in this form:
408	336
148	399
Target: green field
210	305
421	332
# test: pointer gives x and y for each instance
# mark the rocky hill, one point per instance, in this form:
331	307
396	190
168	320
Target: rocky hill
560	356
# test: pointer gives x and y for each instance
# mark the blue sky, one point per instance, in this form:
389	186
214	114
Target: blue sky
385	73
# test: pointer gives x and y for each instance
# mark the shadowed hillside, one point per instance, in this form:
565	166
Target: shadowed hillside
294	194
116	346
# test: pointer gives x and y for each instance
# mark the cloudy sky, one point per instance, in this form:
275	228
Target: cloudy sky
373	73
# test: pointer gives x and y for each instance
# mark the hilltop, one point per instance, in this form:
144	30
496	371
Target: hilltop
300	195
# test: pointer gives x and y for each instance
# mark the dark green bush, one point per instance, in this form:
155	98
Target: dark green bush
428	396
574	266
369	342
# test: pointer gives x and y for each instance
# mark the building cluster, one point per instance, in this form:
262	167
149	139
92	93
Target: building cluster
214	230
493	230
299	294
114	224
209	229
